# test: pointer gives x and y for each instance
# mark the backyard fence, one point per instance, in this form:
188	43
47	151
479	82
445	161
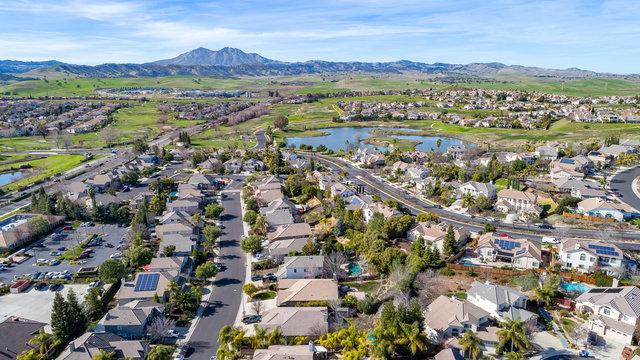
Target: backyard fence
588	218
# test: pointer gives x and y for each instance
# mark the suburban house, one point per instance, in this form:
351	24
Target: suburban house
15	333
478	189
233	166
373	160
521	253
180	264
450	316
265	195
183	244
297	352
290	231
587	256
518	201
341	190
296	321
202	181
501	302
604	208
299	291
252	165
89	345
433	234
547	152
301	267
386	210
278	249
104	181
175	217
190	206
174	228
449	354
614	312
130	321
457	152
146	285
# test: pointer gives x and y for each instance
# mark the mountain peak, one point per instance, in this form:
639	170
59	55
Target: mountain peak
227	56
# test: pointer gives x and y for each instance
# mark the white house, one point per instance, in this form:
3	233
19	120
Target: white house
615	312
478	189
520	253
604	208
301	267
500	301
587	256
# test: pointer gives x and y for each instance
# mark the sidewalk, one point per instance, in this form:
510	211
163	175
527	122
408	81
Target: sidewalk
559	334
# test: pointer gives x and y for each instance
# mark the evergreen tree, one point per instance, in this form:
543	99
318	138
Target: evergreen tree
58	318
450	246
339	228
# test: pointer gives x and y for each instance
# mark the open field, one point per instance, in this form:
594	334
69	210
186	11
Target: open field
44	167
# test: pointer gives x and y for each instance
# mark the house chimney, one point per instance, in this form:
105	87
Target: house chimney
72	346
615	283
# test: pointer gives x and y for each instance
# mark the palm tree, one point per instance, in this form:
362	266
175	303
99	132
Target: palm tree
102	355
237	336
471	342
44	340
259	337
515	355
415	339
32	354
160	352
468	200
514	333
438	143
544	296
275	337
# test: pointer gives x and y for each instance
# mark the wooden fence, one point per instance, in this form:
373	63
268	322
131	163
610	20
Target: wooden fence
486	269
570	276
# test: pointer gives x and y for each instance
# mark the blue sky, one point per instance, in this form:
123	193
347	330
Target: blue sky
594	35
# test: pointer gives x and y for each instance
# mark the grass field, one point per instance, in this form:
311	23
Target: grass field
44	167
403	145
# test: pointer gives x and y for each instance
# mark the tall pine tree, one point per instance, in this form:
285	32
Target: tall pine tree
450	246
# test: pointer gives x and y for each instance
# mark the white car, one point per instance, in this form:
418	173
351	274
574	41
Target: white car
42	261
94	284
115	255
491	219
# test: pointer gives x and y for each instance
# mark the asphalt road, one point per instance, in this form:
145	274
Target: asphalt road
224	302
474	224
622	183
261	139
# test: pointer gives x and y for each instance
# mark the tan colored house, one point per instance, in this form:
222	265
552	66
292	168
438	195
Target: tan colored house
290	231
296	321
450	316
89	345
520	253
19	229
433	234
146	285
386	210
296	291
289	352
517	200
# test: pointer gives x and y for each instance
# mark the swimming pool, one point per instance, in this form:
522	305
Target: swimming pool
354	269
574	287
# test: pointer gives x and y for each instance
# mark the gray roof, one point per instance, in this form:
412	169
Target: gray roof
625	299
496	294
15	332
303	261
483	187
514	313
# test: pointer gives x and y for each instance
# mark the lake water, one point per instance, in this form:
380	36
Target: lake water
338	136
9	177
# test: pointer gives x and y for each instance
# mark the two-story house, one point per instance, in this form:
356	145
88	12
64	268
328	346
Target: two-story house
450	316
131	319
433	234
614	312
475	189
587	256
386	210
500	301
520	253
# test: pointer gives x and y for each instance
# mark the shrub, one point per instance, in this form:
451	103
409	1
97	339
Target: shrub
366	305
446	271
528	282
603	280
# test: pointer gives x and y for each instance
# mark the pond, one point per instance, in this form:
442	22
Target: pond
9	177
338	136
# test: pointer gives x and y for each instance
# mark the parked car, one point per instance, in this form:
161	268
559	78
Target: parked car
67	228
42	261
41	285
222	227
617	194
252	319
184	349
82	256
55	253
491	219
62	248
545	226
172	333
256	277
54	262
89	251
94	284
55	287
108	245
36	275
219	266
270	277
115	255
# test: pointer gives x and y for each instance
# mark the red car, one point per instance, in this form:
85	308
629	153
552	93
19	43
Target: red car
82	256
88	251
66	228
617	194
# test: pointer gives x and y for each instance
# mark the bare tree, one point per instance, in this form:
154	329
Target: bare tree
110	135
317	330
160	326
579	332
257	307
427	283
163	119
333	264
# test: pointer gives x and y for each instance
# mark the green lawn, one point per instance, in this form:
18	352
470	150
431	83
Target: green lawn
402	144
368	287
265	295
45	167
568	325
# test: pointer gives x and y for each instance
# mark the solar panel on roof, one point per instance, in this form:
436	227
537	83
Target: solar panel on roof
566	161
520	251
147	282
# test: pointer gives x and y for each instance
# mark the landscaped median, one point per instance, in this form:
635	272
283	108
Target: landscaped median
72	254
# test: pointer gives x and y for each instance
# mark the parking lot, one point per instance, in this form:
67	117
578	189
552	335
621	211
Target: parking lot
111	234
35	304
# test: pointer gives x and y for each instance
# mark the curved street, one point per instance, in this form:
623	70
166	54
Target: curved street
622	182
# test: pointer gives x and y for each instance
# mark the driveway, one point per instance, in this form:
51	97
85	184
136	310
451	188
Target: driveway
225	301
35	304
